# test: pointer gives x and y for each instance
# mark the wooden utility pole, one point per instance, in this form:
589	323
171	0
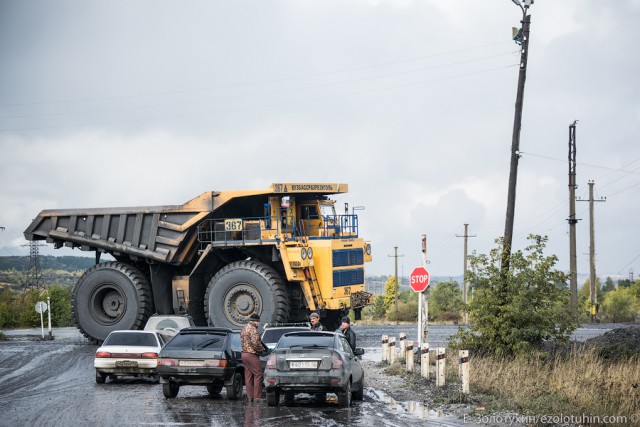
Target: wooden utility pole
395	255
573	269
464	274
593	292
523	39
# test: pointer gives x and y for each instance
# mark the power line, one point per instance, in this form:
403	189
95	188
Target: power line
327	97
258	82
274	92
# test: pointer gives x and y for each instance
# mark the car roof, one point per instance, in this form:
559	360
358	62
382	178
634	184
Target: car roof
310	333
306	325
206	330
132	331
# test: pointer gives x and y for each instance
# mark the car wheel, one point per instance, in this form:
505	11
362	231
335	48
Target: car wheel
344	397
100	378
273	397
288	398
170	389
235	389
244	288
214	389
358	394
111	296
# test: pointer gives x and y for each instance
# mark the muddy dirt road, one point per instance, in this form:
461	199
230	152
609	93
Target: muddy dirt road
51	383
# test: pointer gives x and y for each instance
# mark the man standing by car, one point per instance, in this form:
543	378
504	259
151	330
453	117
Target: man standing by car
314	318
252	348
348	332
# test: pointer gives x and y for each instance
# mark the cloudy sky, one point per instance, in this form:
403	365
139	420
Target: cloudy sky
125	103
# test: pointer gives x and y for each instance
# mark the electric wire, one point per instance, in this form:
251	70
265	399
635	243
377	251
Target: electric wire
327	97
258	82
274	92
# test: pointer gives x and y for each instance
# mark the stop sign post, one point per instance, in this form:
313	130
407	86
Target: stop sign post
419	279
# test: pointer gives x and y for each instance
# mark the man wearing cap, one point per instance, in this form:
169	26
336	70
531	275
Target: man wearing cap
348	332
314	318
252	348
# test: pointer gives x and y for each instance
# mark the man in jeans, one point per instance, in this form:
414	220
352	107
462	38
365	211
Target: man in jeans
252	348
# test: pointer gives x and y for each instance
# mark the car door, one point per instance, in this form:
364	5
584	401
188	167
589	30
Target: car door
352	361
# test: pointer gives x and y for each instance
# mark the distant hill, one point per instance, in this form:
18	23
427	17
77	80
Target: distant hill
48	262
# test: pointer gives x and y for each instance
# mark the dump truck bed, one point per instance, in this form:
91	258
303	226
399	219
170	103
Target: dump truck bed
166	234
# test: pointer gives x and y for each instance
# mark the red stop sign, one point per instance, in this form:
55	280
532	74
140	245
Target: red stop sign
419	279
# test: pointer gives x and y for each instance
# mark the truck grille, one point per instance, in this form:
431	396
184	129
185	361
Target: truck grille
346	257
348	277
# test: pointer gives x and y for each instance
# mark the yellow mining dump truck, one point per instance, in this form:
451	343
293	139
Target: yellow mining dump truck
222	256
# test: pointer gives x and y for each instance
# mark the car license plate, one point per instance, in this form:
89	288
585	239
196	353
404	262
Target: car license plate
191	363
303	365
126	364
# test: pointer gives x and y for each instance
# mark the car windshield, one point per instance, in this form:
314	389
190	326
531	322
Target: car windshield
209	341
306	341
132	339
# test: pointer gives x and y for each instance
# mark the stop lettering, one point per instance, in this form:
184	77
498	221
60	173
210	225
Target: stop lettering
419	279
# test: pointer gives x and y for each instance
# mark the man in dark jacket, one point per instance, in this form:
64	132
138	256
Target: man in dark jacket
348	332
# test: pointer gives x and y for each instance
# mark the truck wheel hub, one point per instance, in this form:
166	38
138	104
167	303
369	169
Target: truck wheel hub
241	301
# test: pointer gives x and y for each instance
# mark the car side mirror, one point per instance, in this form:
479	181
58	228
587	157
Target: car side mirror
358	351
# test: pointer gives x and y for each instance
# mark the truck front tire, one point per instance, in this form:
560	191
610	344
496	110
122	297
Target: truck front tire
111	296
243	288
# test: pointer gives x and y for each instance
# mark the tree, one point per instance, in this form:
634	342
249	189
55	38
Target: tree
390	289
608	285
445	301
377	309
517	310
620	305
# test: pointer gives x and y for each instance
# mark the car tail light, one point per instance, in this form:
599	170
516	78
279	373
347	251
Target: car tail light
165	361
271	380
271	362
336	362
103	354
215	363
149	355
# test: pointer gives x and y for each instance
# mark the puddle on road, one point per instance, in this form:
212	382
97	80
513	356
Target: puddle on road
411	407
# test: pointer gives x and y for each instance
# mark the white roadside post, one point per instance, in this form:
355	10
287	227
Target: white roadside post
403	345
41	307
49	313
385	348
424	361
464	370
440	366
409	357
392	350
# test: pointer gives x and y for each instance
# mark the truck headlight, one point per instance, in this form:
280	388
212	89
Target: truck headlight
303	253
367	249
310	253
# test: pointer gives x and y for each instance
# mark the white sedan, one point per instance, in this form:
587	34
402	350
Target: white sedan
128	353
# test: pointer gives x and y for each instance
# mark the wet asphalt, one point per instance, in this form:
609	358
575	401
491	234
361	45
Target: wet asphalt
52	383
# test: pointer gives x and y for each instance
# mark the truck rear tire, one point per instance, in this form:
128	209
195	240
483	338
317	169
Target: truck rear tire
243	288
111	296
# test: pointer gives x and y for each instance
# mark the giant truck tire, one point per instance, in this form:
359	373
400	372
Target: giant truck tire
111	296
242	288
